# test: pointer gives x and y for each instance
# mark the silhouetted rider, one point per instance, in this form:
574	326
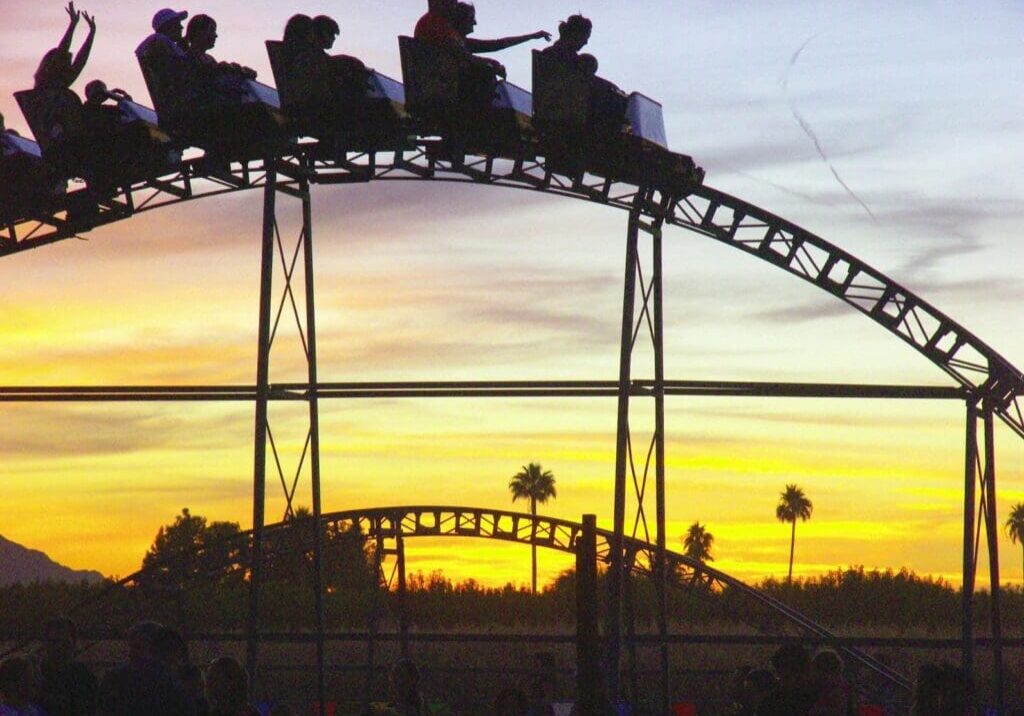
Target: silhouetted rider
348	69
211	81
465	23
607	101
167	39
57	71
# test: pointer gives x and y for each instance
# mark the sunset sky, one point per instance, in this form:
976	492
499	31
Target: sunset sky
919	109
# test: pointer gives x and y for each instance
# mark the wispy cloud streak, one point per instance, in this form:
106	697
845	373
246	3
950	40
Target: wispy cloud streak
809	130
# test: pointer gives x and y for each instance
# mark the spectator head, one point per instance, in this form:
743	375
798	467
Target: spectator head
942	690
170	647
757	684
192	681
53	69
575	31
169	22
511	702
17	681
202	33
325	31
298	31
405	681
588	63
827	666
96	92
282	710
61	639
142	638
226	685
464	20
791	663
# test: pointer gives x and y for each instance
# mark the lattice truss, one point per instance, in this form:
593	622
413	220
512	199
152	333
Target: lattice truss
967	359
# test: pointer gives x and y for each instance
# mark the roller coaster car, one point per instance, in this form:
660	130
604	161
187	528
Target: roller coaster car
585	125
108	146
439	92
28	185
233	119
358	116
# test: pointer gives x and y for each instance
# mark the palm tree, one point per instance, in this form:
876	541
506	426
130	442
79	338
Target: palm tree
1015	524
793	504
538	485
697	543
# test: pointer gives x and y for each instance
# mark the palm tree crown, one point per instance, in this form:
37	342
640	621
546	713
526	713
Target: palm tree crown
1015	524
698	542
793	505
532	483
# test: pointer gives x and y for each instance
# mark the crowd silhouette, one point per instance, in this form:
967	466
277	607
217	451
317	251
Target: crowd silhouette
159	678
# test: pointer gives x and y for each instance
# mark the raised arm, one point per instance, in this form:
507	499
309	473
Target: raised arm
83	53
74	15
503	43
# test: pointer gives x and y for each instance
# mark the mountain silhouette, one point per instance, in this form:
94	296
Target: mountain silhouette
22	565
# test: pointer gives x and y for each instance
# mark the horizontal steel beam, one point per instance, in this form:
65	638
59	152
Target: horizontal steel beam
469	389
569	639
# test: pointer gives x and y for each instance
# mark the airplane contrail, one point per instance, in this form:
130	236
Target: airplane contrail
809	131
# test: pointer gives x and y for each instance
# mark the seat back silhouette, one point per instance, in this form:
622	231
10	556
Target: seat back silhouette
54	118
431	77
28	185
167	82
561	95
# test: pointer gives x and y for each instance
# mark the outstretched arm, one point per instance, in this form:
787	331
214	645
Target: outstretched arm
74	15
503	43
83	54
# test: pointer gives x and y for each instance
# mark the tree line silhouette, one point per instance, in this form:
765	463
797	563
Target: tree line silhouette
196	572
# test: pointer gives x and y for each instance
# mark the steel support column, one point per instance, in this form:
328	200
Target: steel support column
260	439
642	312
314	443
629	615
273	255
661	574
588	648
969	564
615	569
992	533
403	619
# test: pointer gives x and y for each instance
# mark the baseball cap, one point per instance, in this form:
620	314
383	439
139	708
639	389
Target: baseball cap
167	15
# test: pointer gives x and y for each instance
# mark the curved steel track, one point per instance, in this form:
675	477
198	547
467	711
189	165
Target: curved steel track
987	377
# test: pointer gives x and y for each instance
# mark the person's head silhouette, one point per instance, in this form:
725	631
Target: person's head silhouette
446	8
575	32
464	20
168	22
202	33
298	31
325	31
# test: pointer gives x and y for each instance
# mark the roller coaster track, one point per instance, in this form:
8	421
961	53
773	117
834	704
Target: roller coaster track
986	376
521	528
